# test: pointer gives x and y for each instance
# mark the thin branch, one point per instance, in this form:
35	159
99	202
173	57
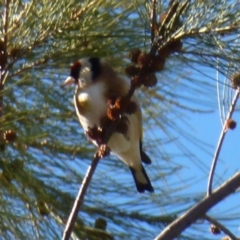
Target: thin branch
3	55
220	142
173	13
6	22
58	218
33	219
161	29
75	16
153	20
205	30
18	17
221	227
197	211
29	66
79	199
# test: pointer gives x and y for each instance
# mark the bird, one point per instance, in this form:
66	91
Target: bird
96	82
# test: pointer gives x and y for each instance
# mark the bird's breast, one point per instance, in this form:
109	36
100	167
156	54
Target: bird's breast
90	105
83	103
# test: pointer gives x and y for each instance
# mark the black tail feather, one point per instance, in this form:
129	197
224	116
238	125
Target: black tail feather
141	187
145	158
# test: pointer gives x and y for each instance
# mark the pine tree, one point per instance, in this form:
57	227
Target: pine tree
44	152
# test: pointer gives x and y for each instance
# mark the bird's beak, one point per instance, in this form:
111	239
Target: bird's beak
68	81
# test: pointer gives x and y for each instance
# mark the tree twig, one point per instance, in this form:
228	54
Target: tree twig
153	20
6	23
161	29
220	142
80	197
3	56
173	13
221	227
197	211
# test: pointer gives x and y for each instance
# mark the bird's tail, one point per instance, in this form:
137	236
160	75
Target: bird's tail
141	180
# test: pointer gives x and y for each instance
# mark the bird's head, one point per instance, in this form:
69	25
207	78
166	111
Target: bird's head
84	72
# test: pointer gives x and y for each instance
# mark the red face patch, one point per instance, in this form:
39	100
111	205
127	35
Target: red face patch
75	71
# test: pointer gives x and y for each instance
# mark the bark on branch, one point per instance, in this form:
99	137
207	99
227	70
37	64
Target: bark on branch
200	209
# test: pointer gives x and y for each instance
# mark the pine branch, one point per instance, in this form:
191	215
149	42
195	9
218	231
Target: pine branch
6	21
30	66
153	20
197	211
80	197
220	142
205	30
3	60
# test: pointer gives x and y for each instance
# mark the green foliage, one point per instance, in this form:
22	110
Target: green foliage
42	169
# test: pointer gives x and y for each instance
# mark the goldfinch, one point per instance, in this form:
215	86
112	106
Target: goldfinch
96	82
